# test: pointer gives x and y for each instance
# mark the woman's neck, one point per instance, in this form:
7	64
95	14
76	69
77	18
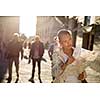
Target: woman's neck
69	52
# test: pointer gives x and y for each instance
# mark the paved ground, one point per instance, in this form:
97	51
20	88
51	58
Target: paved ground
92	76
26	69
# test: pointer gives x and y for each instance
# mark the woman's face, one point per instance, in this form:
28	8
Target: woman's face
66	41
37	39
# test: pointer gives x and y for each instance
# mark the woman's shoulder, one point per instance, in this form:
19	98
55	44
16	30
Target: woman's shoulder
89	55
76	52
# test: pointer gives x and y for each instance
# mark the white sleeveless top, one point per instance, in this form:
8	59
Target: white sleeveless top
84	58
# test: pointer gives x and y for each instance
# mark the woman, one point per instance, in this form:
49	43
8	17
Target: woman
69	63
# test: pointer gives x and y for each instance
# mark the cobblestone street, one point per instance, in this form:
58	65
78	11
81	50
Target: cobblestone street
26	70
92	75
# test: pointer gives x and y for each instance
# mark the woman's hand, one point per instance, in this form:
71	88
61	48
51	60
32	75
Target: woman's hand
82	76
71	60
63	66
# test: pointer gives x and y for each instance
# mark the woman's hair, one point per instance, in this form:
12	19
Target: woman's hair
37	37
63	32
16	34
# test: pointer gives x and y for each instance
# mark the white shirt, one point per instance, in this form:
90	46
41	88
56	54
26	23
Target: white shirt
84	58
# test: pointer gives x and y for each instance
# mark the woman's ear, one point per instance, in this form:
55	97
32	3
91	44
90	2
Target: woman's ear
60	44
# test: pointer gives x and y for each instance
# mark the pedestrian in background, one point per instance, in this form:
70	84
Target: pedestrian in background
52	47
36	53
3	60
14	48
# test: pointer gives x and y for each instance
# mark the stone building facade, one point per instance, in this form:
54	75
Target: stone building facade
8	26
47	28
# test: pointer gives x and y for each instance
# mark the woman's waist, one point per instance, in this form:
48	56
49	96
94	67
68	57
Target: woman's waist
71	71
72	79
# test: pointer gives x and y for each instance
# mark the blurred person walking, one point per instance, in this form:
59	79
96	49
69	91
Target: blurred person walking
14	48
3	60
36	53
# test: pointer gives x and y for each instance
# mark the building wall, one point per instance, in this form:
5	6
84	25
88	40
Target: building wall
47	28
8	25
